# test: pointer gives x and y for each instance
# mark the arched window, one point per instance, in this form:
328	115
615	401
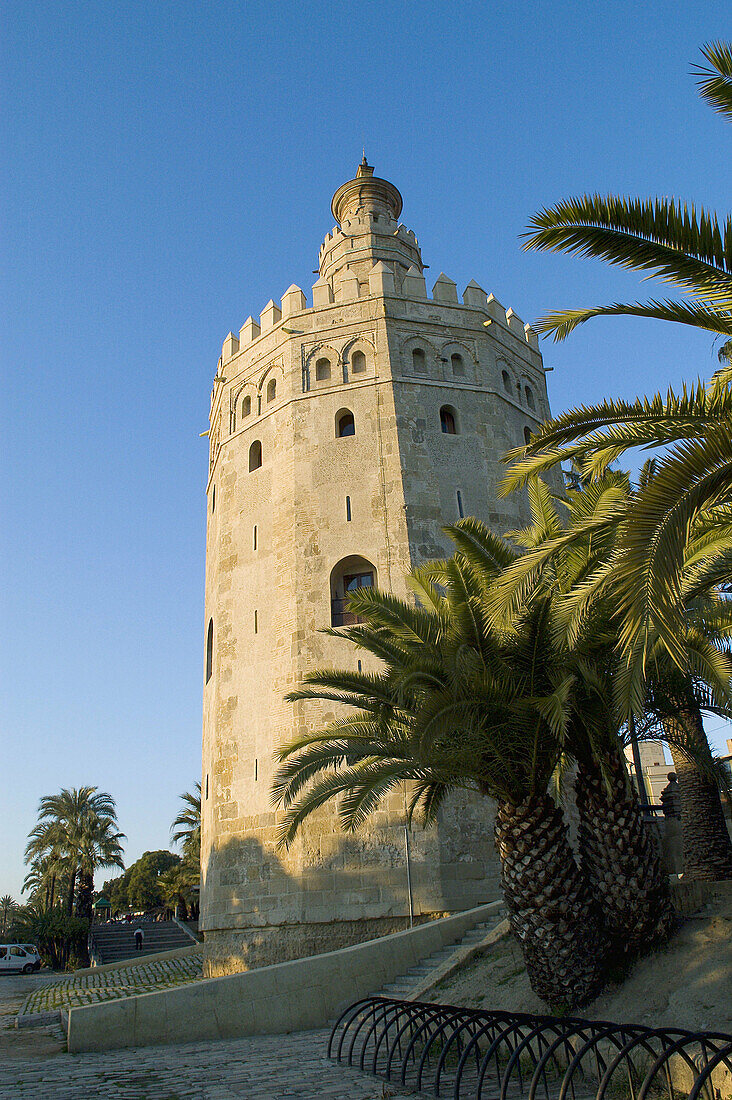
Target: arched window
506	381
322	370
255	455
347	577
527	435
209	650
271	390
345	424
448	422
530	397
246	406
419	361
458	367
358	362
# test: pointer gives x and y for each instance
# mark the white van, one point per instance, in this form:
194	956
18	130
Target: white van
19	956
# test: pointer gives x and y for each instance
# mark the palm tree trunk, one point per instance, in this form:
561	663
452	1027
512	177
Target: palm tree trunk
620	858
72	888
706	841
53	890
550	908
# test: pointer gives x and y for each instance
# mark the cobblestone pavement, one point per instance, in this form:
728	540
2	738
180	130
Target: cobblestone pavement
26	1042
271	1067
110	984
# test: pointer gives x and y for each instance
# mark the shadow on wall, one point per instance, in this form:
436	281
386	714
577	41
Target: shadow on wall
333	889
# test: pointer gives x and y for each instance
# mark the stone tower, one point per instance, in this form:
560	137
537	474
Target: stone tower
343	435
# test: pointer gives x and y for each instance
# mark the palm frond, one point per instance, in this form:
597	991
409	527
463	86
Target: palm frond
695	313
715	82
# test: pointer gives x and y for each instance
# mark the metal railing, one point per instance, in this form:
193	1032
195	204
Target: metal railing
442	1050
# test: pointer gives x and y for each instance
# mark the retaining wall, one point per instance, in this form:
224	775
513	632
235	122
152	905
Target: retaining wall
290	996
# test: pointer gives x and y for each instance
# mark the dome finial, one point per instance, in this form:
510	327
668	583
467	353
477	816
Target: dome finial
364	168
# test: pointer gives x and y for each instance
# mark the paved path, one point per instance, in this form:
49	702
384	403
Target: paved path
106	985
271	1067
34	1065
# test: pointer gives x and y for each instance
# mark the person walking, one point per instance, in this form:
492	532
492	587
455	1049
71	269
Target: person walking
139	937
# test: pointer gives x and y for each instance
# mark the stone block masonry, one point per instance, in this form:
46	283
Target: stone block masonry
343	437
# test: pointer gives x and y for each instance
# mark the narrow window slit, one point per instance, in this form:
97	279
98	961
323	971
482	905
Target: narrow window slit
348	509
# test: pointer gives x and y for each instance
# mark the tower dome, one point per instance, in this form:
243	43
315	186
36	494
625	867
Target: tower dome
366	194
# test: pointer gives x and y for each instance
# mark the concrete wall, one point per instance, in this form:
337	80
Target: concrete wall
292	996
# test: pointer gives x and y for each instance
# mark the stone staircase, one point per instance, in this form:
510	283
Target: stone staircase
436	965
115	941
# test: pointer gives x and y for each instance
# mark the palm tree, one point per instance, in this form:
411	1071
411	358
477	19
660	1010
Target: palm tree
616	850
585	584
78	826
182	882
188	825
100	847
457	706
8	905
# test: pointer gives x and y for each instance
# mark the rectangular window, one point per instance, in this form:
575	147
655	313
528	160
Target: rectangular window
461	513
256	769
254	538
353	581
207	786
348	509
255	622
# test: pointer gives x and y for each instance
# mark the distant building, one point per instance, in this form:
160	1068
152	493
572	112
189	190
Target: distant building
655	768
343	435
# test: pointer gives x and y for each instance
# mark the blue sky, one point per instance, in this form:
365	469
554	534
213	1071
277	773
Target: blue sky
166	169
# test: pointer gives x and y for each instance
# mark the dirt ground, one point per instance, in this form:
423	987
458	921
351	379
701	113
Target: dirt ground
687	983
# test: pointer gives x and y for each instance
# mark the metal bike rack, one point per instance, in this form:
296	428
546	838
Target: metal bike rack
470	1054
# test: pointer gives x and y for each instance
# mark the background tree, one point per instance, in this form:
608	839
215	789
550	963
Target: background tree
186	828
78	827
142	885
183	882
8	905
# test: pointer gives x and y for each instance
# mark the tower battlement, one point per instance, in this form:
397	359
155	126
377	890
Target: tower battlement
411	288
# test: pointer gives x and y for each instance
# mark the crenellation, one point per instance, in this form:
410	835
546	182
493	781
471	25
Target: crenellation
249	331
322	293
230	347
413	284
445	290
348	286
381	280
270	316
515	324
495	309
293	301
532	338
474	296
